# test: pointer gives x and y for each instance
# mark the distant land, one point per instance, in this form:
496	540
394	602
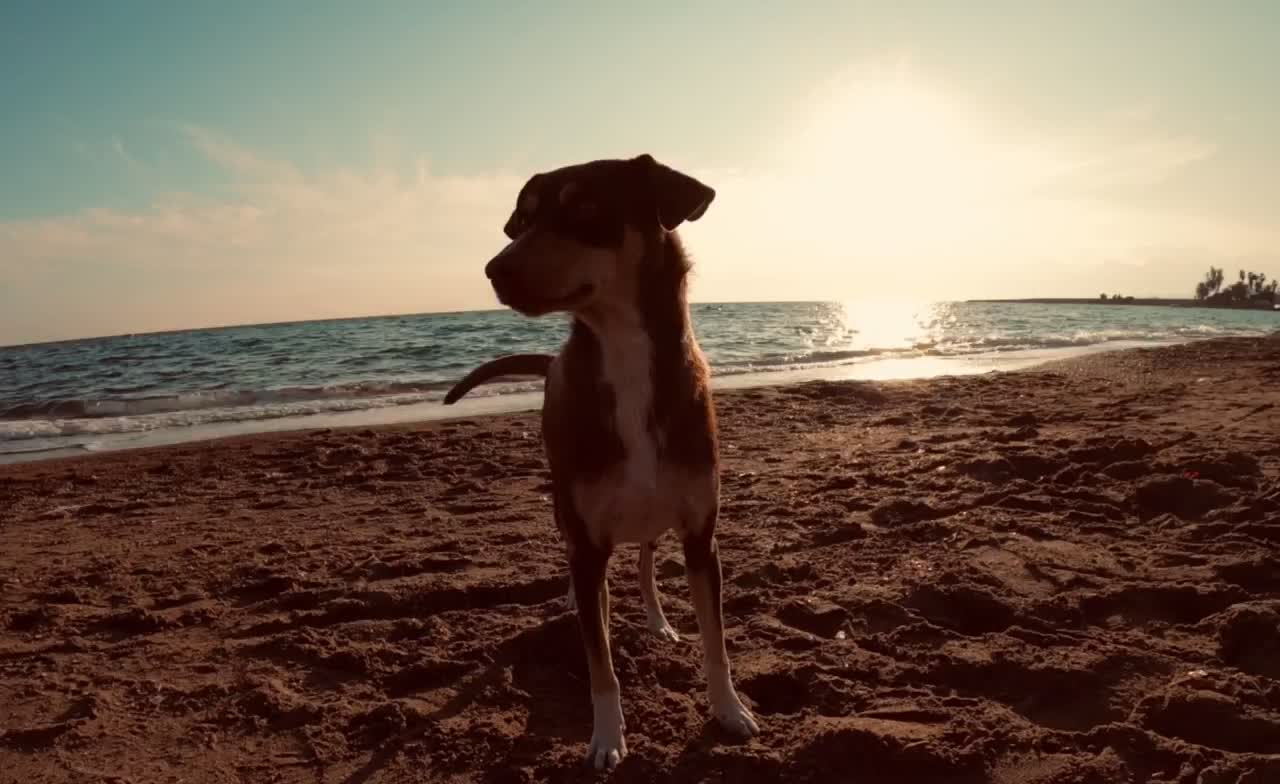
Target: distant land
1111	302
1250	292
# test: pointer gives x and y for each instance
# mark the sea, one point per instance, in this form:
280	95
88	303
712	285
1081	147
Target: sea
131	391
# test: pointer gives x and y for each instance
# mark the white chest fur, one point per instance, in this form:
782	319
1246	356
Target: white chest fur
641	497
627	365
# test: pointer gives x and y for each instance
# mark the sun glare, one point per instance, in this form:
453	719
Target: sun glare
887	324
899	161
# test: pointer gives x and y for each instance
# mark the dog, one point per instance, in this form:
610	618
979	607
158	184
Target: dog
628	423
538	365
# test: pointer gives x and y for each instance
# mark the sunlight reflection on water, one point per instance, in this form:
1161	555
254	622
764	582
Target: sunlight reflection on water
894	325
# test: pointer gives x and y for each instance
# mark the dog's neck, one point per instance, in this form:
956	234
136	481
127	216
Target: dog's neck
647	356
659	308
643	370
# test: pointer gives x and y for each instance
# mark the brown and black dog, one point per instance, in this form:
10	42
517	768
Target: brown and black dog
628	423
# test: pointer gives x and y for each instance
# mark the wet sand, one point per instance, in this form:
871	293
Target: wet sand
1069	574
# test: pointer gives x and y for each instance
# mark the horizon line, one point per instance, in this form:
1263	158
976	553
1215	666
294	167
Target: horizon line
370	317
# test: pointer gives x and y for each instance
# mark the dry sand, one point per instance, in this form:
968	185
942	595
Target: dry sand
1062	575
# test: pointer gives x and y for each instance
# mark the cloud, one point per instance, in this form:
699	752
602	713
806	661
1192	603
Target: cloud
244	164
876	189
344	242
114	154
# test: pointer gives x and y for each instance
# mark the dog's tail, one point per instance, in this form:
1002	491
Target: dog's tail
510	365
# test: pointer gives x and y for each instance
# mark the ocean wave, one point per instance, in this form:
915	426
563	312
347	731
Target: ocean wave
208	399
805	358
1079	339
953	347
131	400
81	393
13	433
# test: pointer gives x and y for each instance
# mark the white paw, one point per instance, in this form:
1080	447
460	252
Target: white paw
735	717
663	630
607	749
608	746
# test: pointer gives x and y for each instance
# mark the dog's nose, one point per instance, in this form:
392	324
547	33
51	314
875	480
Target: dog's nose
501	265
498	267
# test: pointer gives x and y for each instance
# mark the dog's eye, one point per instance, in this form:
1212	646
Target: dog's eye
517	224
585	210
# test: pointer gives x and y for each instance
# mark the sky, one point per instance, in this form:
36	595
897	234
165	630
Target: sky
175	165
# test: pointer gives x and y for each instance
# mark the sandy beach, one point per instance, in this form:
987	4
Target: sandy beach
1069	574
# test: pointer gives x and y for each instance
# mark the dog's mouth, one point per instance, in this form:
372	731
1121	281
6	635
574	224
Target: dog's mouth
531	304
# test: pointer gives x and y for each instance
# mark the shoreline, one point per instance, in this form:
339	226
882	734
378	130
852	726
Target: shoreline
481	405
1037	577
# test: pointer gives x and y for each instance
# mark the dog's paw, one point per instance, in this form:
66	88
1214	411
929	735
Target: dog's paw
735	717
606	750
608	744
570	600
663	630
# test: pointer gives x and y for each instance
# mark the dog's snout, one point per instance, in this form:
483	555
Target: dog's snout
499	267
502	265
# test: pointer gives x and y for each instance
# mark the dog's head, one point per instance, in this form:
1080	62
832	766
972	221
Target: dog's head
579	233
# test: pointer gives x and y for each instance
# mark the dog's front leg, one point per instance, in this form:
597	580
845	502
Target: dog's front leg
702	562
588	565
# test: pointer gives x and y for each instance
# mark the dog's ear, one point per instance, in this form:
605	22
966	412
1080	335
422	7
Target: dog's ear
677	196
526	206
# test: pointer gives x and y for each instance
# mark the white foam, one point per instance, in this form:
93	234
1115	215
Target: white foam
174	428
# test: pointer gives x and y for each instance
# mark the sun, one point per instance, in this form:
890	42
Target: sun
900	160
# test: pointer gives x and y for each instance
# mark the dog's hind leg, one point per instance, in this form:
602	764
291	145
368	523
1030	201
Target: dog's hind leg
702	562
649	592
591	587
570	600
